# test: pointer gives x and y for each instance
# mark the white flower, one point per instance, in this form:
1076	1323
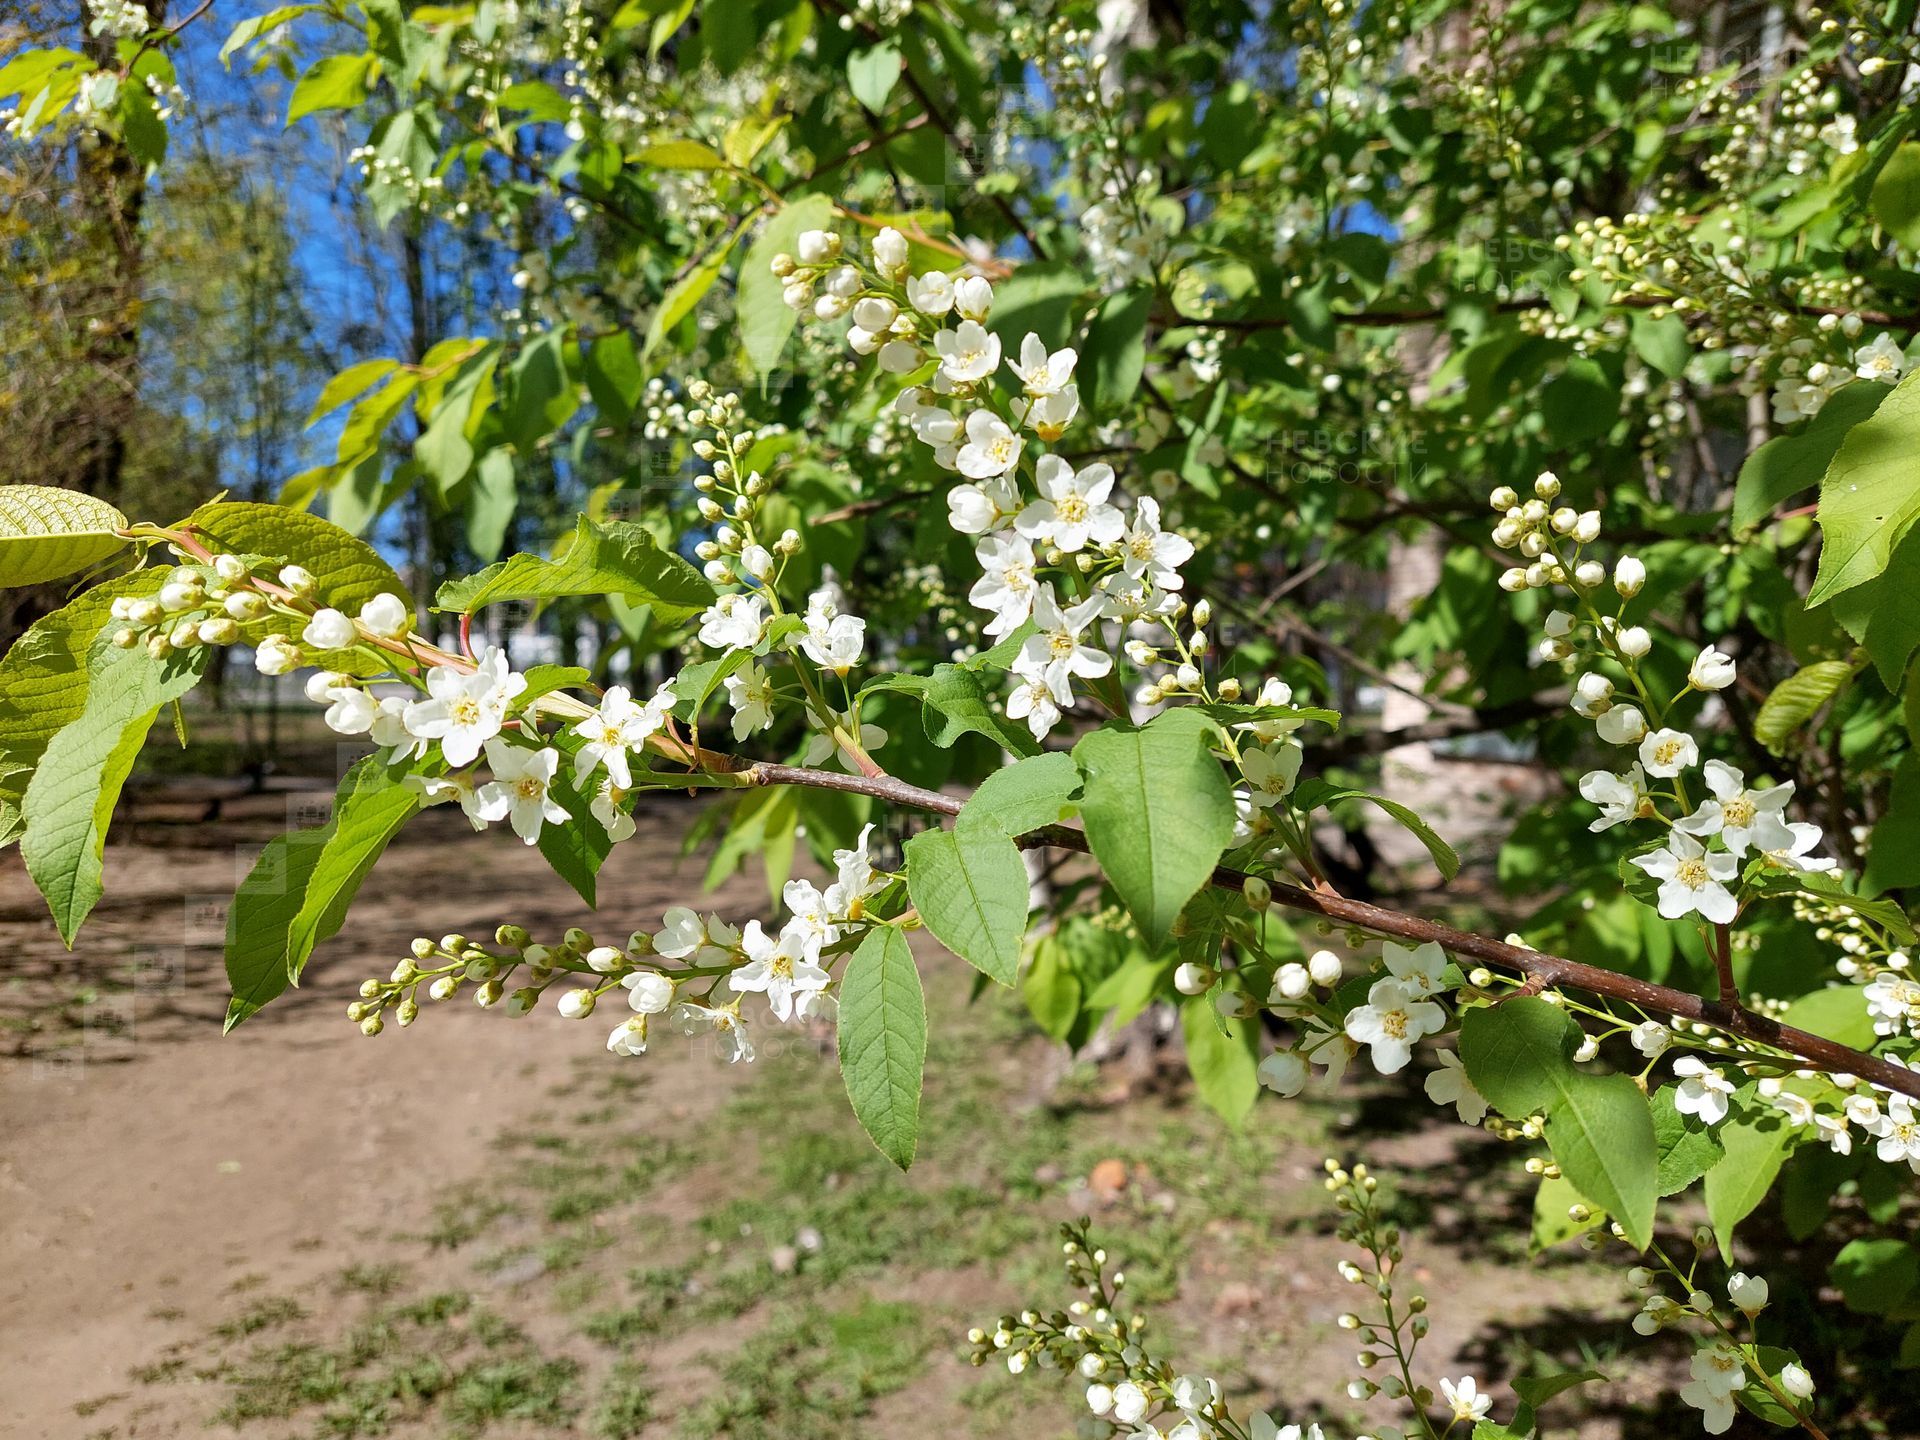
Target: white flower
1100	1398
1032	700
439	789
1150	553
1129	1403
972	297
983	507
521	788
1693	882
1270	771
822	747
1074	506
931	294
1048	415
1650	1038
890	249
1192	1394
387	616
352	712
856	881
1264	1427
1007	586
817	247
1838	134
1464	1396
1622	725
465	710
991	448
1393	1018
1747	1292
1284	1072
1418	967
750	693
1618	796
1742	818
734	621
276	655
1797	1108
607	806
968	352
780	968
1802	837
1665	753
683	933
1702	1091
1833	1129
1717	1373
1880	360
1897	1132
1592	695
1891	999
328	630
1796	1381
1449	1085
1711	670
728	1026
629	1037
1055	652
1039	372
1274	692
833	641
605	734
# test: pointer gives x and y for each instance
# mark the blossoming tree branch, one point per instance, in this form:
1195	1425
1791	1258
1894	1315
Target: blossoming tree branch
989	551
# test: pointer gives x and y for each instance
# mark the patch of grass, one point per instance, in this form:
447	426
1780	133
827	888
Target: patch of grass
625	1407
368	1278
268	1313
812	1373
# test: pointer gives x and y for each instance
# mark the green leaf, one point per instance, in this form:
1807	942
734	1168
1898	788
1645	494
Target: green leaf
679	155
1896	196
1662	343
971	888
1115	354
257	921
70	800
764	318
1553	1222
1026	795
1158	812
350	571
1051	989
1838	1012
1038	297
1688	1148
540	397
883	1042
1221	1055
871	74
577	849
1797	699
1868	500
44	681
1880	616
1313	794
687	292
334	82
618	558
1519	1055
350	384
1757	1146
46	533
491	502
368	811
1788	464
255	26
1876	1275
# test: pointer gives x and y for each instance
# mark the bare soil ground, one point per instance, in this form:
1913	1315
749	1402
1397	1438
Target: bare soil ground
489	1226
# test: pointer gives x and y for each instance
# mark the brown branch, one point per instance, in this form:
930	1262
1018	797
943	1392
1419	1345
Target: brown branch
1733	1018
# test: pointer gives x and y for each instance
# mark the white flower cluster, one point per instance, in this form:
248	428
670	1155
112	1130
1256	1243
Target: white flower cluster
1061	554
1699	865
679	971
122	19
1721	1368
1804	381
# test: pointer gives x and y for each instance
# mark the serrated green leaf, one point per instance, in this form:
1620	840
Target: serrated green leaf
1796	699
46	533
883	1042
1221	1056
1687	1147
1158	813
971	888
350	572
1868	500
1026	795
765	319
1519	1055
70	800
618	558
1788	464
1757	1145
577	849
1313	794
371	806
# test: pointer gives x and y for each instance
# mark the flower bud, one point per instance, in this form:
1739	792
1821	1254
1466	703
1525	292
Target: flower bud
1629	575
298	579
577	1003
1324	968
